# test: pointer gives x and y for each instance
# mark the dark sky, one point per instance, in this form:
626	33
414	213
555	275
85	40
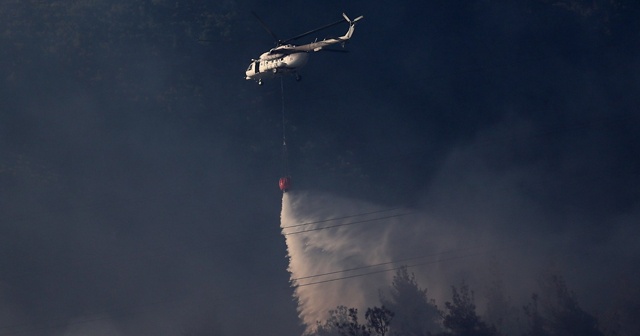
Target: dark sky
138	169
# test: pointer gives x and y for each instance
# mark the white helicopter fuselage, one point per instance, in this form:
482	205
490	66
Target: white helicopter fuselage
271	64
289	58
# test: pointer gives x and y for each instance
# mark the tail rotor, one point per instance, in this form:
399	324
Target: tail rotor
354	21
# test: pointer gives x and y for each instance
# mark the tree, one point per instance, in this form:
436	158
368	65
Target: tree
331	327
378	320
461	318
414	313
499	310
343	321
351	327
536	322
562	315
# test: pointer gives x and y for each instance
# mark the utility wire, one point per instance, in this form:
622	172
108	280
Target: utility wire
347	224
284	136
344	217
396	268
381	264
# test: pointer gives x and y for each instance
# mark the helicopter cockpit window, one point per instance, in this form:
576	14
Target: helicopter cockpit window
250	67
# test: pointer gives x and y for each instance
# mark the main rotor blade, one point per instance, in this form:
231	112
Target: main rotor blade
335	50
264	25
312	31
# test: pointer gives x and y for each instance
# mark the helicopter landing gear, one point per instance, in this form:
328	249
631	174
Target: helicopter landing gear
259	81
298	78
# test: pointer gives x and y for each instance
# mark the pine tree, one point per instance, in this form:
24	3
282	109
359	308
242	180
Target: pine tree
461	318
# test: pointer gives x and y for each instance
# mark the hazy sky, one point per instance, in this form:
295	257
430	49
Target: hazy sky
138	169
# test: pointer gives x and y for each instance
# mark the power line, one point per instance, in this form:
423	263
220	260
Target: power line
347	224
344	217
395	268
380	264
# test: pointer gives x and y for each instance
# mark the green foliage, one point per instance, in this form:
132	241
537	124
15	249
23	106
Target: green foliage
331	327
461	318
562	315
536	321
415	313
378	320
555	312
343	321
352	327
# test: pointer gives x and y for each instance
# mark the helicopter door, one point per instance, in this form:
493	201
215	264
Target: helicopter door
257	67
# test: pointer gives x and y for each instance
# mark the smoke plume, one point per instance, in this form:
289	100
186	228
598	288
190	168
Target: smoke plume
343	251
476	224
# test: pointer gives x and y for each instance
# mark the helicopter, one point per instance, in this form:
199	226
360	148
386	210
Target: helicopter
288	58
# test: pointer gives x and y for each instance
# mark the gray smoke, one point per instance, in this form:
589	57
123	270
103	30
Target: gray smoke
477	223
343	251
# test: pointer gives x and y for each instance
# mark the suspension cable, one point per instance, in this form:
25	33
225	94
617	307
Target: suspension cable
284	136
285	154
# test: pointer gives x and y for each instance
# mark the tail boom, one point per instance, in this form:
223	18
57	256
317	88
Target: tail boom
352	25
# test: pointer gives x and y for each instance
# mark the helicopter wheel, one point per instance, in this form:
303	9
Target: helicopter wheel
260	82
298	78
